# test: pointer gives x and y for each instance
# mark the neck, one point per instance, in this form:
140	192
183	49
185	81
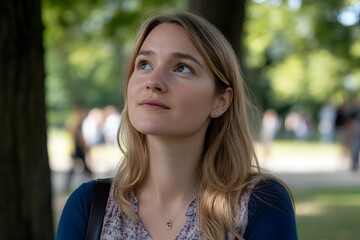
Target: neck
173	168
171	183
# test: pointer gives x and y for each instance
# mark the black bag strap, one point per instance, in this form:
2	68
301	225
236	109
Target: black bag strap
97	210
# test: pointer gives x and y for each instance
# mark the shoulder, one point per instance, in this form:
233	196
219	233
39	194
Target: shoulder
270	192
82	196
270	212
74	217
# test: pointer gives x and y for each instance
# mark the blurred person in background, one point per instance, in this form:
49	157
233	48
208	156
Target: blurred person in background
355	143
111	124
326	126
345	127
92	127
297	125
270	125
79	149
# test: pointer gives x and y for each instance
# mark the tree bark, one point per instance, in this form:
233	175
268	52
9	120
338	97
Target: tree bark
227	15
25	202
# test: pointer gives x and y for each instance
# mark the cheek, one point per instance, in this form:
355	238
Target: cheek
197	103
133	89
131	97
130	88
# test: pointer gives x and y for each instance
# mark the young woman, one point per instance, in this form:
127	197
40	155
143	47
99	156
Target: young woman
189	170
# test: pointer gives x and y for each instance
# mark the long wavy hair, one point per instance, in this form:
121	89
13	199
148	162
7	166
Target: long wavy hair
229	159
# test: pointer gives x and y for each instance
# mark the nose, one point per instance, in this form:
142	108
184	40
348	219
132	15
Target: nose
156	82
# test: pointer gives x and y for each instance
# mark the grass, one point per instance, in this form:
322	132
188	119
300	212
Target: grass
312	148
322	213
328	214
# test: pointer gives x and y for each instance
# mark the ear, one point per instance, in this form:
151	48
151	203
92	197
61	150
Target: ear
222	103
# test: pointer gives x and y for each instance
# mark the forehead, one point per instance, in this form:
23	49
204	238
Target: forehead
167	36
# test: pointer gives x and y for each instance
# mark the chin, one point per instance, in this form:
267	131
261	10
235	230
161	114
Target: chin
149	130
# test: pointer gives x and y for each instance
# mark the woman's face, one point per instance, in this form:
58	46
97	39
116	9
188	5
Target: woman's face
171	91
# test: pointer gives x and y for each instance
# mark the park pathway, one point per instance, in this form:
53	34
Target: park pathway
311	170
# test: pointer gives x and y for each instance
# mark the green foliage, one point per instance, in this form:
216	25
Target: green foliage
306	55
293	53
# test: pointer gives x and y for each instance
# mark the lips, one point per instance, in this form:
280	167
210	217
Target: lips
153	104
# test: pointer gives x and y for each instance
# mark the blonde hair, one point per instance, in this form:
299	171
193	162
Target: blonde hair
229	159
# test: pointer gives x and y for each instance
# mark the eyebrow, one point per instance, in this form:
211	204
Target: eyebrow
175	54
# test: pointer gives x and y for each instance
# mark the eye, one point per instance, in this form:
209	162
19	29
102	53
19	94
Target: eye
183	68
143	65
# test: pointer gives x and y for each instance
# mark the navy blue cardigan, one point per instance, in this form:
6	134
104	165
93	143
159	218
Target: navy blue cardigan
270	217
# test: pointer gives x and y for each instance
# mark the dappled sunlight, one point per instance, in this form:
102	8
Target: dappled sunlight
59	149
328	213
291	68
105	158
102	158
309	208
302	157
319	205
355	50
346	200
324	67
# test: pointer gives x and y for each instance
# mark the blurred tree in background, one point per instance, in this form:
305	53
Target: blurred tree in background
25	206
227	15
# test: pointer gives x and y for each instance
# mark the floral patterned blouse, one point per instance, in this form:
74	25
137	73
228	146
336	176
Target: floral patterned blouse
118	226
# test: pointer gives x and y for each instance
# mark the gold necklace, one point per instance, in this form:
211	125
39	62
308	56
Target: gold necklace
169	223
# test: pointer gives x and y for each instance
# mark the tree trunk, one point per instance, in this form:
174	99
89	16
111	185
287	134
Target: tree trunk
25	202
227	15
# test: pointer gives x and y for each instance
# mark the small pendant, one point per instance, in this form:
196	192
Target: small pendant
168	225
